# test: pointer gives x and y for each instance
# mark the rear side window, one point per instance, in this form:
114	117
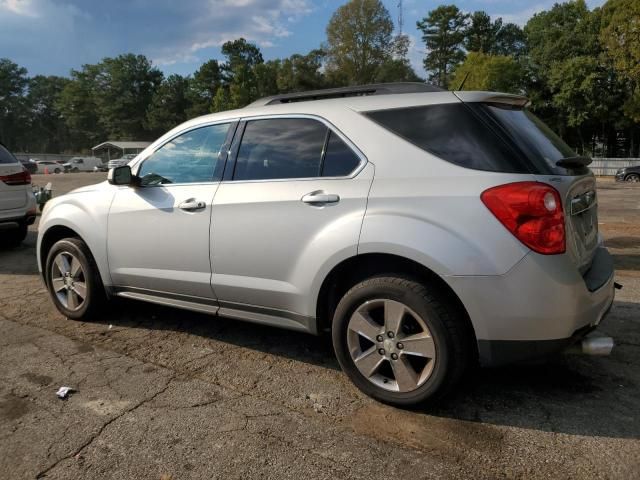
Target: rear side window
339	159
6	156
453	133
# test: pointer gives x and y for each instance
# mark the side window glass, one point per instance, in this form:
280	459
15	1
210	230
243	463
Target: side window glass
340	160
188	158
280	148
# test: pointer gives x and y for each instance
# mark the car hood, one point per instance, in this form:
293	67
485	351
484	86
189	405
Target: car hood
91	188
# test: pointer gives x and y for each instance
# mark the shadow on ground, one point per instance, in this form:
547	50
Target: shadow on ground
571	394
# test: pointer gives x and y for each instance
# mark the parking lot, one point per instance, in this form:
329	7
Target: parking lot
168	394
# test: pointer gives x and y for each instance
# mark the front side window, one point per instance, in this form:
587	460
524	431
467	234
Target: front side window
189	158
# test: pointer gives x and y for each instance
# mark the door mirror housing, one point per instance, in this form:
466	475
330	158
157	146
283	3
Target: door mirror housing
121	176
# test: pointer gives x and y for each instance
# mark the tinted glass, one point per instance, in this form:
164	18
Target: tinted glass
453	133
538	143
6	156
188	158
280	148
339	160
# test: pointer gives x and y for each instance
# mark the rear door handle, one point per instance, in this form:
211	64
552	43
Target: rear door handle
192	205
320	198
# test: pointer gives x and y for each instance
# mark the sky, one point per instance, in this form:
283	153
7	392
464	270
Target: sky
51	37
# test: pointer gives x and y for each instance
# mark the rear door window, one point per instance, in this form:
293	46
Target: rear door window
280	148
6	156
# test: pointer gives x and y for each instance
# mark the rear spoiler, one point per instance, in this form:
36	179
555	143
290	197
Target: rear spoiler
493	97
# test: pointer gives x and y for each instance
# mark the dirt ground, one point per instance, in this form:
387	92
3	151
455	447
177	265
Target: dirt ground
163	393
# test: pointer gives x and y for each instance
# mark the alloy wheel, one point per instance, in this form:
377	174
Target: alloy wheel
68	281
391	345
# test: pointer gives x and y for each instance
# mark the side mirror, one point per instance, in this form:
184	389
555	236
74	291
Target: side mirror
120	175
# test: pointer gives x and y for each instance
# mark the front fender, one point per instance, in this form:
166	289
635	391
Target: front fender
86	214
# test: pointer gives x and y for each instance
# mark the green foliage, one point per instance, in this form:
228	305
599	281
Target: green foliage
169	104
13	82
443	32
203	88
358	41
489	72
580	68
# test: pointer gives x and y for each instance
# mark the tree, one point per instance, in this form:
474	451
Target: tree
169	104
124	87
47	129
239	78
443	32
620	37
489	72
510	40
481	34
77	102
203	88
358	41
13	82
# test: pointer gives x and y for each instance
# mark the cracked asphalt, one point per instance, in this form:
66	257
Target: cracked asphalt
167	394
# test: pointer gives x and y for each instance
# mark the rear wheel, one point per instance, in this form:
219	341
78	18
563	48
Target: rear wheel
633	177
400	341
73	279
14	237
56	170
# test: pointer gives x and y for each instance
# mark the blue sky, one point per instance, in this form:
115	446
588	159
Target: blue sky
53	36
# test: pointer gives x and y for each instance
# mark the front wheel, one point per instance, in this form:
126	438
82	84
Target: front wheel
73	279
633	177
400	341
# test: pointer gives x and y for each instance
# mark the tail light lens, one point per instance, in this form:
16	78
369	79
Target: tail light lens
532	212
20	178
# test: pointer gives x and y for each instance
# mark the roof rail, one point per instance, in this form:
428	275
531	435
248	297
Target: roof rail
357	91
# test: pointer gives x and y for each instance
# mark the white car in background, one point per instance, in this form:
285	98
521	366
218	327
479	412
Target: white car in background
17	202
124	160
82	164
50	166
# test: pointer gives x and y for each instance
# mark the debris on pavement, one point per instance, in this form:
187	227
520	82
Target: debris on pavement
63	392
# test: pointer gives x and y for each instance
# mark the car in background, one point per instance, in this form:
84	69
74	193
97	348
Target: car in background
50	166
82	164
30	165
118	162
628	174
17	202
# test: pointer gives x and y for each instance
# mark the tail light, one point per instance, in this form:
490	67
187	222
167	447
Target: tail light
20	178
532	212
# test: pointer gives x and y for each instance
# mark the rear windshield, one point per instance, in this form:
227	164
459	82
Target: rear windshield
480	136
6	156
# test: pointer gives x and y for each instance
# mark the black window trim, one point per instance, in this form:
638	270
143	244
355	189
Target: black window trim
222	160
330	128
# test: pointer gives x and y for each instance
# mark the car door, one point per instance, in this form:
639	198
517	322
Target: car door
158	233
294	195
13	191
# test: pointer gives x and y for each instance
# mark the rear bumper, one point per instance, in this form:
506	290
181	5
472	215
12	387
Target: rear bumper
23	215
539	307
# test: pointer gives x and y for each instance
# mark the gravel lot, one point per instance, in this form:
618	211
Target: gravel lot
167	394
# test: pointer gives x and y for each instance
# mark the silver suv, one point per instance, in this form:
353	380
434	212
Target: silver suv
17	202
425	229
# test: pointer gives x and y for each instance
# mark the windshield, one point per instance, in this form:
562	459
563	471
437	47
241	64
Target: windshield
530	135
6	156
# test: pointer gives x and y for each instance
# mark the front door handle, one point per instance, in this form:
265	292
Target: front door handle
192	205
320	198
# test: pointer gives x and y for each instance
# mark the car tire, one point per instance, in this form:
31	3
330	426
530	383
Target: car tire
75	288
14	237
74	170
57	170
633	177
428	312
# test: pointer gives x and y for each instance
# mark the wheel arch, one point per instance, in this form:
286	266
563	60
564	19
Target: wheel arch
357	268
